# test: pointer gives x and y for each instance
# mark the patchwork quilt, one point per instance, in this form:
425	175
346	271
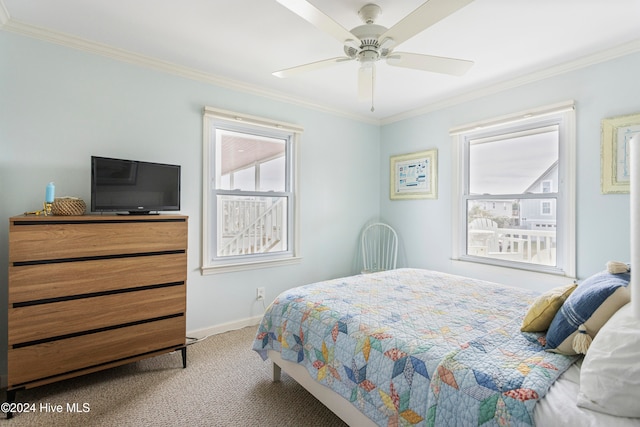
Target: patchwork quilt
416	347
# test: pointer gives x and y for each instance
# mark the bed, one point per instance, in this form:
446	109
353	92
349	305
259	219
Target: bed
420	347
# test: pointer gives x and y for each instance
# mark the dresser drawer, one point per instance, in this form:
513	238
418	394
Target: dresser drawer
39	322
56	239
43	281
36	362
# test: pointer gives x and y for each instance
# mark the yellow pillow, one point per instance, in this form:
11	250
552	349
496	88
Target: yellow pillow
545	307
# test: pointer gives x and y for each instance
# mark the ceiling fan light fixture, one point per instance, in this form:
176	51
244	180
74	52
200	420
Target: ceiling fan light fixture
386	43
351	43
368	55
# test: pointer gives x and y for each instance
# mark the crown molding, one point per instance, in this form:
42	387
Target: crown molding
585	61
117	54
6	23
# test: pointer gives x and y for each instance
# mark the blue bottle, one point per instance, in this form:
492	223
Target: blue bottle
50	194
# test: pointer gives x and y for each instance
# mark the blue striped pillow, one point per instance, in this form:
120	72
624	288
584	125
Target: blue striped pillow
591	304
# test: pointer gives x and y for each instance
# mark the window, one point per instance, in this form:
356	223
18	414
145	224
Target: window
525	161
249	203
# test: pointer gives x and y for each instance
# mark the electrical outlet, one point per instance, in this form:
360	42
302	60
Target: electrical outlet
259	293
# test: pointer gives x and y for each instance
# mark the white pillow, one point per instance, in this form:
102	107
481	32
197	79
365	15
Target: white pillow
610	374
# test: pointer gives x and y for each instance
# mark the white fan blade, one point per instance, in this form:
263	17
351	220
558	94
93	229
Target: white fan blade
434	64
320	20
366	80
310	67
422	18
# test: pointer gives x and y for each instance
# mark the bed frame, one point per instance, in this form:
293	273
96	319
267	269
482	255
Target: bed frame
329	398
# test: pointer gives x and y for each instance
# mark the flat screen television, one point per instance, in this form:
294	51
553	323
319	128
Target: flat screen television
119	185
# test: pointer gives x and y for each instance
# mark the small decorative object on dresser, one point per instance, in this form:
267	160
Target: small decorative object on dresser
92	292
68	206
49	198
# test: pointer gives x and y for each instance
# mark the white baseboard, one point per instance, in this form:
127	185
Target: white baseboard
224	327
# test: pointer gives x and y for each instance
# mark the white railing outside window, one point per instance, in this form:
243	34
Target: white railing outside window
531	246
251	225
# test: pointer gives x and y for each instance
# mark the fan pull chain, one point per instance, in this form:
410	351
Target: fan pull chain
373	85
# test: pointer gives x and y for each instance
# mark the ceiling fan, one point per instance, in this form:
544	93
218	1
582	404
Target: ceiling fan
370	42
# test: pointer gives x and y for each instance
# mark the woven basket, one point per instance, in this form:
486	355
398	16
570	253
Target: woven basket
67	206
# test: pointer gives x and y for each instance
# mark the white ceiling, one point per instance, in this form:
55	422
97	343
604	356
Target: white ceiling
241	42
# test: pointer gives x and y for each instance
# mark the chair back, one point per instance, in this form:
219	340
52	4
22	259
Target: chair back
379	248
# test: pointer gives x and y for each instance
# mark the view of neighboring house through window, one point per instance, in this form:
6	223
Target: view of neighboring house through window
516	194
250	204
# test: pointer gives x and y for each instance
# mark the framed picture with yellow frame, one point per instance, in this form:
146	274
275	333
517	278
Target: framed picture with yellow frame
414	175
614	156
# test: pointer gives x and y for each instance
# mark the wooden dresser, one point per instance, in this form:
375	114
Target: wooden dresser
91	292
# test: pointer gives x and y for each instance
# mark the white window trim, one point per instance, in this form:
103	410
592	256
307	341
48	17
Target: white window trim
207	266
566	214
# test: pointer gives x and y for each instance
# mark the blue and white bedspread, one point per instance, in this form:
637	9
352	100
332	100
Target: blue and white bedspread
416	347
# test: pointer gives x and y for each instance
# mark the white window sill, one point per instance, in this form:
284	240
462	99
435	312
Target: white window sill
541	281
244	266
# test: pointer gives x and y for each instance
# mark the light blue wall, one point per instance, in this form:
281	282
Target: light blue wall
603	90
59	106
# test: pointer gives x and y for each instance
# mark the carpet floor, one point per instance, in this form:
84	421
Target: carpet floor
225	384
